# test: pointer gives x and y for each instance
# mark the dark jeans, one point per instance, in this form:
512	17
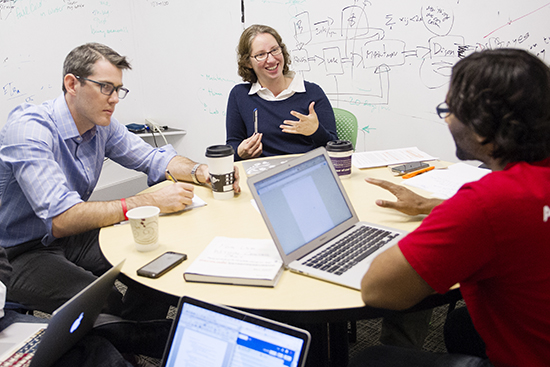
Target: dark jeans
461	336
44	278
91	351
465	347
407	330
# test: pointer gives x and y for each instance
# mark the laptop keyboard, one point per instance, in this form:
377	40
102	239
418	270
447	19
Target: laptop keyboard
350	250
22	356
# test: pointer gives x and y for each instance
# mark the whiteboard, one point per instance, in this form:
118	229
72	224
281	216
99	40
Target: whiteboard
389	62
182	54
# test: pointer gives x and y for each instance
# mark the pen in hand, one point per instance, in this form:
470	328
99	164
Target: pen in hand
172	178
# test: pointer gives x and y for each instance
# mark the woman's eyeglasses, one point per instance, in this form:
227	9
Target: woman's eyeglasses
263	56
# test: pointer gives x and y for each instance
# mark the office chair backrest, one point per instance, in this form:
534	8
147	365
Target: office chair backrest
346	125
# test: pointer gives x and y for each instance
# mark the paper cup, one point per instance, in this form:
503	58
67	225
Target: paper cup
144	221
340	152
222	174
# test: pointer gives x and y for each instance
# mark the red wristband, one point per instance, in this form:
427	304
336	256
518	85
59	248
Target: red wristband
124	208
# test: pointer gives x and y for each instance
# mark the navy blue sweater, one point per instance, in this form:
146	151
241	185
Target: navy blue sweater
271	114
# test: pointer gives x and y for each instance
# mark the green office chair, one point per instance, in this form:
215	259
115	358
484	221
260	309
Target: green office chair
346	125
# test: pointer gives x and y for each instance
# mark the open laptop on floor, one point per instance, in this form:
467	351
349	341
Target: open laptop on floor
310	219
43	344
209	335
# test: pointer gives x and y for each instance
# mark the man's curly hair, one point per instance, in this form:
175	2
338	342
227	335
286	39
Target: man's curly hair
504	96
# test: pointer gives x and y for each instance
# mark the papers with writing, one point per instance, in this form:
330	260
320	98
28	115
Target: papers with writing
237	261
445	183
197	202
380	158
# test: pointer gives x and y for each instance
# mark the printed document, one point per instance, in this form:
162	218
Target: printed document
444	183
381	158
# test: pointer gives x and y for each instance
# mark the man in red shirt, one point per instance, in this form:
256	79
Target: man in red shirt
493	236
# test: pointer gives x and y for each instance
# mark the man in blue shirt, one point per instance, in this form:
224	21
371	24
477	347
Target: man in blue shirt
51	157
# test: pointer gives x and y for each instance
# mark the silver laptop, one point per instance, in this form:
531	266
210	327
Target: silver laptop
311	220
43	344
209	335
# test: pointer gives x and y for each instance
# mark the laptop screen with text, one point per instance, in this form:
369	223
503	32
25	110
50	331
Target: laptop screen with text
303	203
208	335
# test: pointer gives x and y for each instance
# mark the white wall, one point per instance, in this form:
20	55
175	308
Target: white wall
386	61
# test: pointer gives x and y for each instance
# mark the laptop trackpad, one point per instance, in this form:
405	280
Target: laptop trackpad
4	347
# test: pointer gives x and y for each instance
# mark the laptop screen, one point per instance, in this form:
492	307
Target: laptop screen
207	335
303	202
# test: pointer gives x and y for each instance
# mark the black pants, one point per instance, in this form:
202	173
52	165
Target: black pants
461	336
465	349
44	278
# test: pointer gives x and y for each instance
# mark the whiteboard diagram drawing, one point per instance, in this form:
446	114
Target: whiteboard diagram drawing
354	54
350	51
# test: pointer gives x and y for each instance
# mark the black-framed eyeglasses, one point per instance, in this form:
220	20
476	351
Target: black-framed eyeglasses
108	89
443	110
262	56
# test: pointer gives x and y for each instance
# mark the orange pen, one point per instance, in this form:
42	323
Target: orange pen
412	174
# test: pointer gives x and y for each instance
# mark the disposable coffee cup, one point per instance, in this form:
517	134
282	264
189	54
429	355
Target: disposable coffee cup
340	152
222	172
144	221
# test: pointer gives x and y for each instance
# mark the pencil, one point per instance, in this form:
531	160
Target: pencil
172	178
412	174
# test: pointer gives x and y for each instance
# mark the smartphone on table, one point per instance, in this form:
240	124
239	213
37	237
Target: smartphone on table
161	264
408	167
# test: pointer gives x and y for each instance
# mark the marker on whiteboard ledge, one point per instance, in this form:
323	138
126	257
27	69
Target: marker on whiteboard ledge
255	121
412	174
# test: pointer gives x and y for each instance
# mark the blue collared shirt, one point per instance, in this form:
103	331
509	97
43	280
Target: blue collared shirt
46	166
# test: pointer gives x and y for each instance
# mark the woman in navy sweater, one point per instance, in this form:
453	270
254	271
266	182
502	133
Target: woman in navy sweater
275	112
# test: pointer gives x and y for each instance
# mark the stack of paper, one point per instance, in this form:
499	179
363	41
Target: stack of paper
444	183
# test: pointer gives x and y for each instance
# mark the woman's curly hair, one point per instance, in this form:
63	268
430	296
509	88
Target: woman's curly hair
245	48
